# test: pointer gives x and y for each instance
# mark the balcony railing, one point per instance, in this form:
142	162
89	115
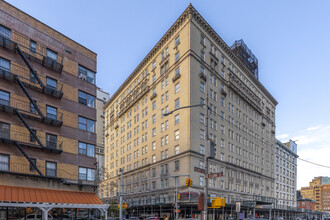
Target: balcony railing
27	169
26	139
25	76
9	104
37	53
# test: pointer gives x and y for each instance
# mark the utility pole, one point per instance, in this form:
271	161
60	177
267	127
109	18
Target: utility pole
121	194
206	184
176	198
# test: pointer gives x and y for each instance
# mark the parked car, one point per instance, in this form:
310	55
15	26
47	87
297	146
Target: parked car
36	217
155	218
134	218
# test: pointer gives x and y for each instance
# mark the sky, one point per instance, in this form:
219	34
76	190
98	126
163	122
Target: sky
291	40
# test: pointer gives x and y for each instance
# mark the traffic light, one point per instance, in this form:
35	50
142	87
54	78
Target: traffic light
179	196
189	182
212	149
125	205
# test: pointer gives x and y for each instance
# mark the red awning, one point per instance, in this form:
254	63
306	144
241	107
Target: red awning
25	194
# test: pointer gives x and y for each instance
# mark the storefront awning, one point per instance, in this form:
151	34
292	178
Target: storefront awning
30	197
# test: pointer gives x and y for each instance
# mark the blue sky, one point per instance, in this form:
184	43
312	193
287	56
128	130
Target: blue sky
291	40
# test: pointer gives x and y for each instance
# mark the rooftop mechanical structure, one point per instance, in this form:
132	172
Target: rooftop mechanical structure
240	49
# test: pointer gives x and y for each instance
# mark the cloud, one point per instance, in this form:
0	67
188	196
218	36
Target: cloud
281	137
307	171
313	128
316	135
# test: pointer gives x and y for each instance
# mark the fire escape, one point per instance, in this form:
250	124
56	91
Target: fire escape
48	62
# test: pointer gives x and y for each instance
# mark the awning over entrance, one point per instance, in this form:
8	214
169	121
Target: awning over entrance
39	195
48	199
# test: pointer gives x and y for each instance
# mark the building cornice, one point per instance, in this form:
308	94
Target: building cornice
190	13
286	148
203	23
153	52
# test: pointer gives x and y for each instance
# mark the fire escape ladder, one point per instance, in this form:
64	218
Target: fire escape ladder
28	158
30	98
20	52
29	128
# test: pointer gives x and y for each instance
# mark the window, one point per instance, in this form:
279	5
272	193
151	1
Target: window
51	112
4	98
51	169
202	101
4	64
51	141
177	40
153	132
86	74
202	39
201	149
202	70
201	181
32	77
33	46
86	149
32	139
177	56
86	174
154	105
202	134
202	87
177	103
154	119
50	82
176	165
32	108
33	161
4	130
177	88
154	145
176	135
222	74
154	158
154	78
176	150
176	119
202	55
5	31
177	71
154	65
4	159
202	118
86	99
86	124
51	54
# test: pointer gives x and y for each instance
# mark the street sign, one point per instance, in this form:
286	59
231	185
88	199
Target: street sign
197	169
238	206
215	175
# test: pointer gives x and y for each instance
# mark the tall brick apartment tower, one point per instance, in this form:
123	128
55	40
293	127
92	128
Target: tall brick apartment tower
47	121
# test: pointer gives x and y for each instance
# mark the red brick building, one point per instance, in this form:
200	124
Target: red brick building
308	204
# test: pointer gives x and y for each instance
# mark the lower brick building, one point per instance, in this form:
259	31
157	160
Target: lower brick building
47	121
308	204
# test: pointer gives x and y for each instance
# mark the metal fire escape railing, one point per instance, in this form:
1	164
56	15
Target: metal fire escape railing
16	48
28	158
